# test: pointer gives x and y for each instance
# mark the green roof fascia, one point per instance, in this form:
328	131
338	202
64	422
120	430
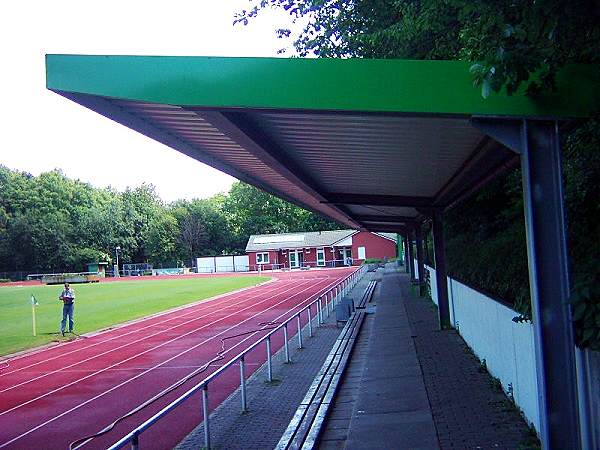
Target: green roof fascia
359	85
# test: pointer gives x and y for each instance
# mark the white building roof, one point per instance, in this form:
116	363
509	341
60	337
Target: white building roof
258	242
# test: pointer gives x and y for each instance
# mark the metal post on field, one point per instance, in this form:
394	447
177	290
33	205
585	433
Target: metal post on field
33	321
286	343
310	331
299	331
269	363
206	416
243	385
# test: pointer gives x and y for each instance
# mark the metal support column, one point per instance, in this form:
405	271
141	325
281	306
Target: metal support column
411	256
549	284
406	263
537	142
420	259
440	271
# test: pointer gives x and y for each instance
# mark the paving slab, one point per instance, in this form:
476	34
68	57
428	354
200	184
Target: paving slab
272	405
392	410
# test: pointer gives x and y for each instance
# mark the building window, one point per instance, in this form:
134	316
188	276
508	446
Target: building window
320	257
362	253
262	258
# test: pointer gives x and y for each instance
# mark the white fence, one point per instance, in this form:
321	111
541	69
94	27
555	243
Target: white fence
212	264
487	327
507	347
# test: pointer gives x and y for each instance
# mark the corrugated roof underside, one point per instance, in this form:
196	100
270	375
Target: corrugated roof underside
380	155
194	130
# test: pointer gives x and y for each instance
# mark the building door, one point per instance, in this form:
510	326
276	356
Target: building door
320	257
296	259
347	256
293	260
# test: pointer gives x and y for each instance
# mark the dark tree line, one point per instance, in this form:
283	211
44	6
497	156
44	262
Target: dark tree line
52	223
516	45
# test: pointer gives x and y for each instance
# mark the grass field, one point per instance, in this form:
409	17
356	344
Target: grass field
99	305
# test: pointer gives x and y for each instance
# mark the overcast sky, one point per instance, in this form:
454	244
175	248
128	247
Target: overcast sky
42	130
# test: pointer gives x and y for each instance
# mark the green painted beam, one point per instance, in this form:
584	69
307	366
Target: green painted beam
359	85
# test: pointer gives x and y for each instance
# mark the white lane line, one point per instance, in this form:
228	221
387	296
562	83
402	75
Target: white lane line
213	301
97	355
147	351
166	361
296	307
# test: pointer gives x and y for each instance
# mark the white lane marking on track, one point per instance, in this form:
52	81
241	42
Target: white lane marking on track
316	295
62	369
164	362
149	350
213	301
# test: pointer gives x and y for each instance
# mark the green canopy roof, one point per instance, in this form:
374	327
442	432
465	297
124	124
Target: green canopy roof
366	142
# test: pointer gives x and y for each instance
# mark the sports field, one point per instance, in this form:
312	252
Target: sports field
59	397
100	305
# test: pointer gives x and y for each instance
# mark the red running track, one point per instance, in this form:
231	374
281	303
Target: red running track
52	397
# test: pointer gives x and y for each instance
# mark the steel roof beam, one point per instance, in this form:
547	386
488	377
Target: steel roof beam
238	127
384	219
378	200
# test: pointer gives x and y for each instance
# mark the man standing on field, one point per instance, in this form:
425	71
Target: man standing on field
68	298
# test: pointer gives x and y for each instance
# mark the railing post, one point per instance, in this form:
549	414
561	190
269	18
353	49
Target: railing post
243	385
286	343
135	441
269	364
299	331
206	417
310	332
322	313
318	303
326	306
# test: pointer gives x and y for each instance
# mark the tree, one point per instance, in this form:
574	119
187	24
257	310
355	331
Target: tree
513	45
252	211
510	43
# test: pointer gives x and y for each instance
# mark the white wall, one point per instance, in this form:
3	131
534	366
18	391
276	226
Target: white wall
241	263
205	265
507	347
210	264
224	264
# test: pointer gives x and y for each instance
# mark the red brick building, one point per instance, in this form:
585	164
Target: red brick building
318	249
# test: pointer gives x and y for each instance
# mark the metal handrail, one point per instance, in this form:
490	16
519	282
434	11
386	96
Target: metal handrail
339	290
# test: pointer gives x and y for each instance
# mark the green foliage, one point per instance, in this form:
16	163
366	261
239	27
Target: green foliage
510	43
513	45
252	211
50	223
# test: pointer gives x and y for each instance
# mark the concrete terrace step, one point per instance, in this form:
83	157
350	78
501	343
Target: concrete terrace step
305	427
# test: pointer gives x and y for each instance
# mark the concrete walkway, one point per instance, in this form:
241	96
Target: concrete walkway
271	405
411	386
407	386
391	409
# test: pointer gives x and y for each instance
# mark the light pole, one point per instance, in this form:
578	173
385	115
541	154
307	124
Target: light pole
116	269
